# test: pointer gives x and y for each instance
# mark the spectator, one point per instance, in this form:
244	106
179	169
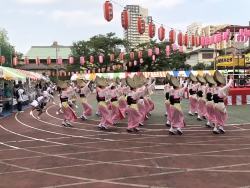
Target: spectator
6	91
1	101
19	97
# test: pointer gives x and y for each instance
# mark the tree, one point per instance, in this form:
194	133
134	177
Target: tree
203	66
103	45
6	49
162	63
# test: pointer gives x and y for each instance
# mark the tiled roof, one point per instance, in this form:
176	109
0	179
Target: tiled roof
202	50
33	66
43	52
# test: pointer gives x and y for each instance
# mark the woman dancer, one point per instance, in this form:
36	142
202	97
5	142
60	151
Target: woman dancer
177	116
192	95
202	110
167	89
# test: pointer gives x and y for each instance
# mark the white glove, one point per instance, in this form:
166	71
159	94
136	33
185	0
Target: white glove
111	85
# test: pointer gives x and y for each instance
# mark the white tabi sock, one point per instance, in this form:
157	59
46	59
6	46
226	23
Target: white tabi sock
168	122
208	123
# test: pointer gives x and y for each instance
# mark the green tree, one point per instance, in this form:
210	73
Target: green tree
162	63
203	66
103	45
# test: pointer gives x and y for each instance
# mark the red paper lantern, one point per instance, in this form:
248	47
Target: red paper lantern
150	52
153	57
72	73
68	73
124	65
108	11
113	67
100	59
141	25
198	41
118	66
157	51
192	40
125	19
132	55
161	33
172	36
82	60
91	59
141	60
139	54
103	69
151	30
112	57
60	73
48	61
64	73
71	60
26	61
53	74
99	70
93	71
186	40
2	59
121	56
130	64
15	61
37	61
135	62
180	39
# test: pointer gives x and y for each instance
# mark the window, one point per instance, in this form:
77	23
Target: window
207	56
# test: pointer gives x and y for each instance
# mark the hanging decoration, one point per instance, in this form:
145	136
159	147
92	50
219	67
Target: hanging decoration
99	70
15	61
139	54
121	56
202	41
151	30
112	57
59	61
135	62
80	72
149	52
141	25
198	41
161	33
192	40
53	74
174	47
88	71
206	41
91	59
37	61
68	73
132	55
100	59
108	69
48	61
82	61
72	73
180	39
153	57
181	49
211	40
2	59
124	65
125	19
172	36
141	60
93	71
157	51
103	69
108	11
77	73
130	64
113	67
118	67
26	61
60	73
64	73
71	60
167	50
186	39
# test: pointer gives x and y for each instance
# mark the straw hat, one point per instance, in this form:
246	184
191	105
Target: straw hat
219	78
117	80
131	83
201	79
168	77
174	82
136	78
62	84
124	82
80	83
192	78
142	78
209	79
99	81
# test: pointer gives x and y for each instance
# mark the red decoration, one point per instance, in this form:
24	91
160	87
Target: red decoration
2	59
112	57
141	25
157	51
91	59
108	11
192	40
198	41
151	30
99	70
103	69
59	61
118	66
125	19
172	36
180	39
68	73
93	71
132	55
82	60
130	64
71	60
124	65
113	67
48	61
60	73
64	73
161	33
121	56
26	61
186	40
139	54
15	61
48	73
37	61
53	74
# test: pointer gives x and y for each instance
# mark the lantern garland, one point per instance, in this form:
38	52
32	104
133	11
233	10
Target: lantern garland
141	25
108	11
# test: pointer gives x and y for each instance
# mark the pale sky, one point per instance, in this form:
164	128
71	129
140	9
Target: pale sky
40	22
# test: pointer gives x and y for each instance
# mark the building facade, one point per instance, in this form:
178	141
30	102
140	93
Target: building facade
131	34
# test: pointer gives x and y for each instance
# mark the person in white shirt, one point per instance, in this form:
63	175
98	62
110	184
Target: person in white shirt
19	97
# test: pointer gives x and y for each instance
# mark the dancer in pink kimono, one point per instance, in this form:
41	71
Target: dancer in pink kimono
122	103
177	116
220	111
103	91
84	93
69	114
201	93
141	106
116	112
167	89
210	105
193	96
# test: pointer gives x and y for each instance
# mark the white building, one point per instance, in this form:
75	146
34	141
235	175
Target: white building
132	35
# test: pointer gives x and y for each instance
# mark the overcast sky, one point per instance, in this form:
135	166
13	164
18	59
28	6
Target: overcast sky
40	22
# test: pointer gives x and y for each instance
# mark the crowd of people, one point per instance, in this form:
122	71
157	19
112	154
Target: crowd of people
118	98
